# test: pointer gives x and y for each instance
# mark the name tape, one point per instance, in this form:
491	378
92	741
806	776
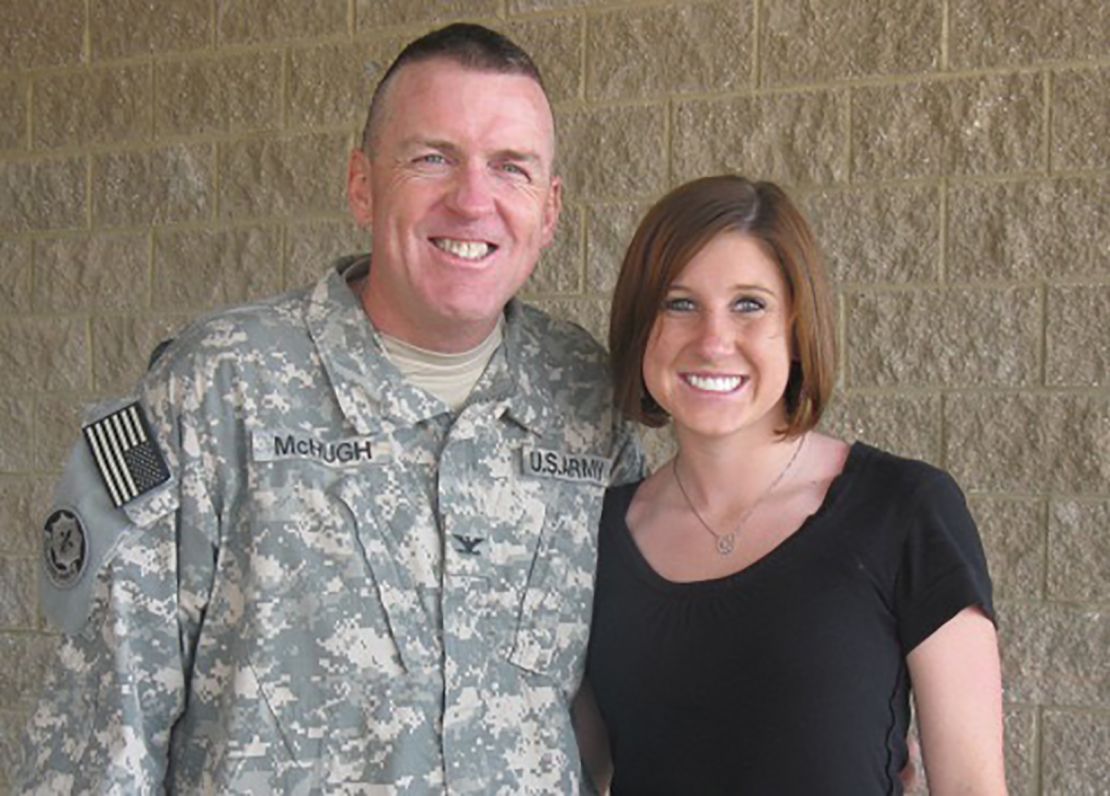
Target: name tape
273	446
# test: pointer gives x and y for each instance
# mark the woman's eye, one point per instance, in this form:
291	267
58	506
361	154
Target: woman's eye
748	304
678	305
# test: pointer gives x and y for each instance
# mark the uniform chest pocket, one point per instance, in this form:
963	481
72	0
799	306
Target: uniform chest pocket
553	624
316	634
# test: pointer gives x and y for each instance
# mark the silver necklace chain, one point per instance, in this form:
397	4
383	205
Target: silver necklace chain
726	542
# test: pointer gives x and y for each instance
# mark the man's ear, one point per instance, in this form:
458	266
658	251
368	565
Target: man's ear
552	208
360	195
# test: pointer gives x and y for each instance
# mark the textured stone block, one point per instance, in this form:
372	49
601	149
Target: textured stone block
525	6
42	33
1080	118
686	48
1029	443
42	194
903	424
92	273
18	590
560	267
311	247
270	177
252	21
609	231
876	235
591	314
124	28
121	347
58	421
104	105
1025	231
242	92
818	40
1077	746
374	14
1055	654
1020	32
555	43
1013	533
794	139
24	504
613	152
333	83
26	657
16	432
165	185
982	125
1079	550
13	113
12	726
210	268
1078	344
15	276
48	354
948	337
1020	738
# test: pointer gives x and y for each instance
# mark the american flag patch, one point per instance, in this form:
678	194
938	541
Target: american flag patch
128	459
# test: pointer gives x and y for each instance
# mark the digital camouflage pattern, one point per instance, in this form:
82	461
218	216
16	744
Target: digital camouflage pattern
342	588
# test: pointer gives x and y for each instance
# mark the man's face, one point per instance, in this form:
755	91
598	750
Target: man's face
460	196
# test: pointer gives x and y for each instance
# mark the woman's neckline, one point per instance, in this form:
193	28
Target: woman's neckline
858	452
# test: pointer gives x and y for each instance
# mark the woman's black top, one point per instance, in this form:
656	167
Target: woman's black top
788	677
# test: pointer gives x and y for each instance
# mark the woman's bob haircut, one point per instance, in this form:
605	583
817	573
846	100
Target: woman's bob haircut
671	234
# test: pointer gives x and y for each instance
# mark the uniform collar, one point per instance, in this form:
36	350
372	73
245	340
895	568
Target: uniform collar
369	388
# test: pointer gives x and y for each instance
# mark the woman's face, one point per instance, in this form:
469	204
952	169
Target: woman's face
718	356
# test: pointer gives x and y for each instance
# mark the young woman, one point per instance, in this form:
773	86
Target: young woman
767	598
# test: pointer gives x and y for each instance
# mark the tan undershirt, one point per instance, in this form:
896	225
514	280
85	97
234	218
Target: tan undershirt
449	377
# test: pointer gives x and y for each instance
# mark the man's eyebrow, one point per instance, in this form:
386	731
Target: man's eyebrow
428	143
519	155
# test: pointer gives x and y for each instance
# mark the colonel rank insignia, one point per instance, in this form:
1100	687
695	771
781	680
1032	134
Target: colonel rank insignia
125	454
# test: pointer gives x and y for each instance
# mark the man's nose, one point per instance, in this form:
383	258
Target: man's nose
472	191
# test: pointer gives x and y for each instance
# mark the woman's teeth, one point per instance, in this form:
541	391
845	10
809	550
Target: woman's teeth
714	383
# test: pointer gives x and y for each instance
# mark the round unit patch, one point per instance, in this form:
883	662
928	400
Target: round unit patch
65	549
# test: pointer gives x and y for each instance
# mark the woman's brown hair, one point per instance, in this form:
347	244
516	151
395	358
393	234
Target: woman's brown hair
671	234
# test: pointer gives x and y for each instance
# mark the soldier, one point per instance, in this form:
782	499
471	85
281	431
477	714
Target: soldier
344	539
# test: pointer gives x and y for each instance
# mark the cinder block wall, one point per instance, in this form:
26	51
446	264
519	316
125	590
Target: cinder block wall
160	159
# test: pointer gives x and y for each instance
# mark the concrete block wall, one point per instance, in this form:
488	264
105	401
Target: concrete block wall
160	159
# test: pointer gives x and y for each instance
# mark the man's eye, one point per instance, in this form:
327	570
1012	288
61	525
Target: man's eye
678	305
515	170
432	158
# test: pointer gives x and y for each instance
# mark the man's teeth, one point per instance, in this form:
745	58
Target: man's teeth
714	383
466	249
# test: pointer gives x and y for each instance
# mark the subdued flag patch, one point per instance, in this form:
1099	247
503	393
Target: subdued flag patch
125	454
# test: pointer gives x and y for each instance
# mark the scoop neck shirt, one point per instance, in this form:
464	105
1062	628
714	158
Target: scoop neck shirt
789	675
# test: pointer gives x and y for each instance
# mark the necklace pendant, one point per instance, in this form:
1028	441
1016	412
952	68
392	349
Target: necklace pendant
726	543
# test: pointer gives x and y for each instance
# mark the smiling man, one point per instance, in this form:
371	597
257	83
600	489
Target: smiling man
309	553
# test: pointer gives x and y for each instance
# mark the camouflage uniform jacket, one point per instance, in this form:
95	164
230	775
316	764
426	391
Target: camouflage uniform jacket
342	587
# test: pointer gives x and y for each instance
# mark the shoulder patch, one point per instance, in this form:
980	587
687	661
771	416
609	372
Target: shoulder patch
125	454
65	548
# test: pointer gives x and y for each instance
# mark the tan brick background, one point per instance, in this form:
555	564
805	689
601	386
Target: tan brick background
159	158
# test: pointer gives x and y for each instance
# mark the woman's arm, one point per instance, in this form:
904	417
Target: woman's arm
957	686
593	741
